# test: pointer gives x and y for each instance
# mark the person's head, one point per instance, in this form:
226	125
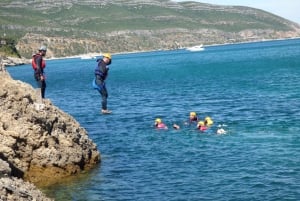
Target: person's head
43	50
107	58
200	123
157	121
208	121
193	115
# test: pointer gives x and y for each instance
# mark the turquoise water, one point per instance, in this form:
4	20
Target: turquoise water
251	88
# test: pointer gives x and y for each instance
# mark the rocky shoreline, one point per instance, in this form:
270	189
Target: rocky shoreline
39	143
14	61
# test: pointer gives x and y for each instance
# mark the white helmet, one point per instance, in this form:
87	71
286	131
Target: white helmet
43	48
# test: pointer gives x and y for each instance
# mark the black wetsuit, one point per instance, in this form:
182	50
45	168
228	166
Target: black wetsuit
101	73
38	72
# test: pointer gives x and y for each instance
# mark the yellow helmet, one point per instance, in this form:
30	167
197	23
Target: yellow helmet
107	55
193	114
208	121
200	123
158	120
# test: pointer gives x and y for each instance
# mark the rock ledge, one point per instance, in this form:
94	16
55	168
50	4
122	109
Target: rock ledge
38	142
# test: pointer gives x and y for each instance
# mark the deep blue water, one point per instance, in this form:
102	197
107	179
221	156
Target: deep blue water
252	88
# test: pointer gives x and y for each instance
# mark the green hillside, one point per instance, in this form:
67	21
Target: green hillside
126	19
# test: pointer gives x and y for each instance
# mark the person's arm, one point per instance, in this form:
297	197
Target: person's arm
104	69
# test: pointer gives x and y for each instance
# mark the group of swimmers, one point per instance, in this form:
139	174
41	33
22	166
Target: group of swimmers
202	125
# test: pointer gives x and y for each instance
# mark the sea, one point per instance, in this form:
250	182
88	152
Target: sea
251	90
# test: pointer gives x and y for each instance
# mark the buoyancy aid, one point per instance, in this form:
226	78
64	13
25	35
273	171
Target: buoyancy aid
202	128
101	69
161	126
34	64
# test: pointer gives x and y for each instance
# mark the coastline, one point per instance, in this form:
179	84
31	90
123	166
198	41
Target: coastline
12	62
182	48
254	41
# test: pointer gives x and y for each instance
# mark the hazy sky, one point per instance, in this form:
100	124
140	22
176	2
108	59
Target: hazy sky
289	9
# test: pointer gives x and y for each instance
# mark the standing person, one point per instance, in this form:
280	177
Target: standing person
38	65
101	73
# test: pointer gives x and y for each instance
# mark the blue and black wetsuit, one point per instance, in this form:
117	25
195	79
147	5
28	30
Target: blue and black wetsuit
101	73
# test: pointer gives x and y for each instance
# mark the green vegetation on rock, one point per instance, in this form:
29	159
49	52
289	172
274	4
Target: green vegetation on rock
8	47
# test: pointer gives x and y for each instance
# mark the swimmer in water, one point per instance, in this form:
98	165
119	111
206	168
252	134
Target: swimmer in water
208	122
192	119
159	124
201	126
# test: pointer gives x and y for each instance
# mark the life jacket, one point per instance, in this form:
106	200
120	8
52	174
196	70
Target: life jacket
161	126
34	64
202	128
98	70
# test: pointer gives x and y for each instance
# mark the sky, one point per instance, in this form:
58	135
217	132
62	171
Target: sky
289	9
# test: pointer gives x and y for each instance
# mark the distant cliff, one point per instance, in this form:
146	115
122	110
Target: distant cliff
41	143
71	27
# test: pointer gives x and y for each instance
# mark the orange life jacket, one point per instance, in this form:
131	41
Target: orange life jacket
34	64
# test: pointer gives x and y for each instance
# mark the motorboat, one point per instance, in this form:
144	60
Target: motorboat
195	48
87	57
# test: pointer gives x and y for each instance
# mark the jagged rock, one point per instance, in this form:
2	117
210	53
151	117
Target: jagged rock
42	144
5	170
14	189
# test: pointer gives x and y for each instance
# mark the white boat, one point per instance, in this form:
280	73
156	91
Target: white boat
195	48
86	57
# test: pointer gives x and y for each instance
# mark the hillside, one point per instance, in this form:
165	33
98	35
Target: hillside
70	27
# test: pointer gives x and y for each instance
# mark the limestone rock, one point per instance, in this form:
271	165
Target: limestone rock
41	144
16	189
14	61
12	188
5	170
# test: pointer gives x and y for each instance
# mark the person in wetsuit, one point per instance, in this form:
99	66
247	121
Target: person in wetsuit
193	117
159	124
38	65
101	73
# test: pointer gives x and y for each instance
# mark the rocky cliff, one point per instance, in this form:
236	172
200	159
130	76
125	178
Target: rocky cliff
41	143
